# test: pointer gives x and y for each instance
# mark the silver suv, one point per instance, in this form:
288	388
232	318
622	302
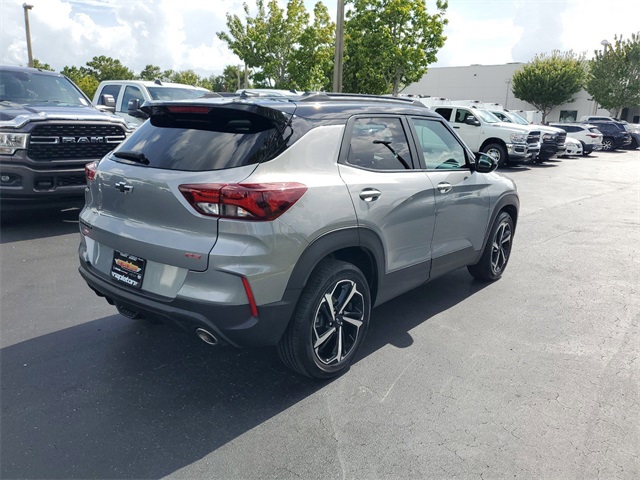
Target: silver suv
263	221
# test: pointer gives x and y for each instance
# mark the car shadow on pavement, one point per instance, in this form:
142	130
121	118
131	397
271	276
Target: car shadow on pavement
32	224
116	398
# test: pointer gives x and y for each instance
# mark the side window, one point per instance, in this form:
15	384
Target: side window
109	90
440	148
379	143
445	112
501	116
462	114
129	94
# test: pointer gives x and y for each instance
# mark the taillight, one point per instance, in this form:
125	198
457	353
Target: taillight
250	201
90	170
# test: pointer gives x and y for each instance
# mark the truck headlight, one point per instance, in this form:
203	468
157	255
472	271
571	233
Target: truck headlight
548	137
10	142
518	138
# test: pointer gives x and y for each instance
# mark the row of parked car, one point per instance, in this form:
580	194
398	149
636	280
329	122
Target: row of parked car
264	221
50	130
511	139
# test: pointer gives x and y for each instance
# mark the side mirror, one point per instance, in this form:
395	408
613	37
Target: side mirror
485	163
133	109
471	120
107	103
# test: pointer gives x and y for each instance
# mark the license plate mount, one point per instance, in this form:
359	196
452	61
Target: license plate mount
128	269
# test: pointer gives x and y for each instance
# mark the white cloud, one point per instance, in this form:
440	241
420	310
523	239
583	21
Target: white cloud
181	34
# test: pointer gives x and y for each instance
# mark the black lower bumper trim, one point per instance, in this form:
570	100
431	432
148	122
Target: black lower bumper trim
233	324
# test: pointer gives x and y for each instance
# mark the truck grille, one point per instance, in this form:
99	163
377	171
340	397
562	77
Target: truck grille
556	139
72	142
533	137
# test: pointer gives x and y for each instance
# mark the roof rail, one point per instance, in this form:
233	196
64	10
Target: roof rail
332	96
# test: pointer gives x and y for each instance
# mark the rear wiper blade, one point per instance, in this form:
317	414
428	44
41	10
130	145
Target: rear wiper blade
133	156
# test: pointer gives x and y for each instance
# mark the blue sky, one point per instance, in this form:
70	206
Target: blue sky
181	34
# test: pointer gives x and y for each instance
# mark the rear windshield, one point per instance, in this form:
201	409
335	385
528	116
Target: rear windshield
223	138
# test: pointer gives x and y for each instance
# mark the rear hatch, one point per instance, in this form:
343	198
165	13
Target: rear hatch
135	204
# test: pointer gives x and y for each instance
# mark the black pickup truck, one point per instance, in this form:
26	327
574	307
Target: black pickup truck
49	131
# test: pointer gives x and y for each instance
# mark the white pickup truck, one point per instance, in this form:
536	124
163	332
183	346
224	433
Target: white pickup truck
482	131
116	95
552	142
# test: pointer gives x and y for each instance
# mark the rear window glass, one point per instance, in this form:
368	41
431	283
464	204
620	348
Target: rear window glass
175	93
223	138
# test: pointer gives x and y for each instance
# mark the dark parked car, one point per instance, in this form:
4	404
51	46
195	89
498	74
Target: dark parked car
283	221
614	134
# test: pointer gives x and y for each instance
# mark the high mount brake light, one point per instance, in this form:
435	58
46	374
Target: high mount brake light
250	201
188	109
90	170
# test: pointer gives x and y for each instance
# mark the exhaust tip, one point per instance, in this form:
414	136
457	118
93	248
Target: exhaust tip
206	336
127	312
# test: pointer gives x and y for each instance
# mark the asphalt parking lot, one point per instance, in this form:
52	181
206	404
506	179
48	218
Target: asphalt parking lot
534	376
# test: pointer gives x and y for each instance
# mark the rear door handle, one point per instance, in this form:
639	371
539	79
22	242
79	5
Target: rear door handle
457	128
370	194
444	187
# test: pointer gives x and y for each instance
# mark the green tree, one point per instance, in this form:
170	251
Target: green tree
42	66
188	77
550	80
83	78
614	75
390	43
151	72
107	68
268	41
311	67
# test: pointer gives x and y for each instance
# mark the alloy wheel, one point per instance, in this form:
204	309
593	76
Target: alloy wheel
494	153
337	322
501	247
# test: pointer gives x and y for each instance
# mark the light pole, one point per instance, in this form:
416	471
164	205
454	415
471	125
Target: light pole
506	98
337	62
605	43
28	7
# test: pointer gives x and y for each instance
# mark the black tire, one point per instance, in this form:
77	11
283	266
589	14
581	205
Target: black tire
497	250
634	144
498	152
608	144
321	341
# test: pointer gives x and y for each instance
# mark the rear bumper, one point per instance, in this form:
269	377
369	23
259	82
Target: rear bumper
233	324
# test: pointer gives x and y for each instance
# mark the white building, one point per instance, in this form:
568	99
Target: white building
492	84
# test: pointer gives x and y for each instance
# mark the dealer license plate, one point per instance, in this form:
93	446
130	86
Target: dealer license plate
128	269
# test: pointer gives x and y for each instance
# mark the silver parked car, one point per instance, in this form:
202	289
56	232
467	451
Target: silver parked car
283	221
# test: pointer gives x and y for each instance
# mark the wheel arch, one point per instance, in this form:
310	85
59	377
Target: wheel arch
509	203
491	140
361	247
